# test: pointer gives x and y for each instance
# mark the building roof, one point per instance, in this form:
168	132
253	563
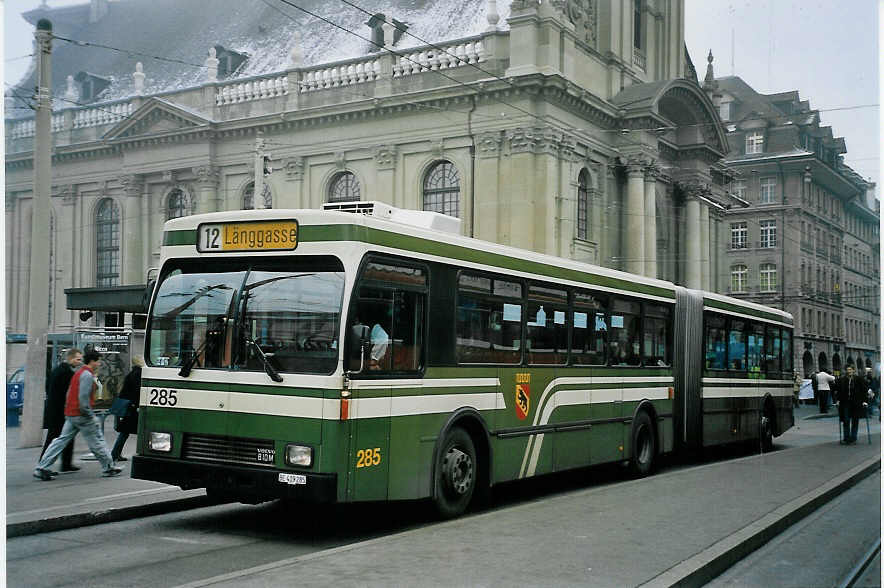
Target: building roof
264	30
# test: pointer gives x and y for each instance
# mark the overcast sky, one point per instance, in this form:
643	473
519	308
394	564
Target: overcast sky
825	49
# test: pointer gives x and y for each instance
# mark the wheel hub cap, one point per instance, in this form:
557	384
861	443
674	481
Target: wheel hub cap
458	470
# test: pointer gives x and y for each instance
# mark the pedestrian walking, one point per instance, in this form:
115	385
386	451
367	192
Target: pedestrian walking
53	407
796	388
852	395
128	424
80	418
824	382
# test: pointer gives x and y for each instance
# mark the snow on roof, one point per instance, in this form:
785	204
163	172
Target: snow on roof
265	30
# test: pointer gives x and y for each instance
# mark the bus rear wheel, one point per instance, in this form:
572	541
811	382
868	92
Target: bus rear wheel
455	477
644	446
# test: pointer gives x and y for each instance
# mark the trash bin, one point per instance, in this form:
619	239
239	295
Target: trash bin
14	401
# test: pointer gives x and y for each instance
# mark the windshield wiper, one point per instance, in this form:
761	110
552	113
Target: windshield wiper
271	371
188	365
211	335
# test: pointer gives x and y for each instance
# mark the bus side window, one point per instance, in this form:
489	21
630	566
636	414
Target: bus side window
390	310
716	339
755	346
736	345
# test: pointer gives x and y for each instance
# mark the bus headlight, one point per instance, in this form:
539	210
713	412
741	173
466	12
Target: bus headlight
160	441
298	455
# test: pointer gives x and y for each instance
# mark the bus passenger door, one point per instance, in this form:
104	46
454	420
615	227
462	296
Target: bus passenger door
390	308
370	407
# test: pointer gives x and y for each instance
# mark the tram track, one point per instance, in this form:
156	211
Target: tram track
859	569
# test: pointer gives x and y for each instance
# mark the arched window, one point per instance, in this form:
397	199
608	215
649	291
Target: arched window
177	204
344	187
107	233
248	196
442	189
582	205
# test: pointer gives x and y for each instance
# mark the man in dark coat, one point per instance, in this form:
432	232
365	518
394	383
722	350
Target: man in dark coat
128	424
53	410
852	397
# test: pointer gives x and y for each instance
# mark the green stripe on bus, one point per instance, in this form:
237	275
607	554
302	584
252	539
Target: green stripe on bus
179	237
420	245
744	310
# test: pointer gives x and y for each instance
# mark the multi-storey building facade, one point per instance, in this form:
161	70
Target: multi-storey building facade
574	127
807	239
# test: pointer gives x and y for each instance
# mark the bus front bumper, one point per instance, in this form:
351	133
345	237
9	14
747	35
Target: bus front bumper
243	481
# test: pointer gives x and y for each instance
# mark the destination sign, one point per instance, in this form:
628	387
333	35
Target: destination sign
277	235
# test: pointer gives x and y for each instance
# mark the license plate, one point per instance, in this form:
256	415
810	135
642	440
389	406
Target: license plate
296	479
275	235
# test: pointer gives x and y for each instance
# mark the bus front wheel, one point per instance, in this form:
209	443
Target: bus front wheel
455	473
644	446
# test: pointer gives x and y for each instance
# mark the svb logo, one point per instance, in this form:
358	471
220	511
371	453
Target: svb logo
523	395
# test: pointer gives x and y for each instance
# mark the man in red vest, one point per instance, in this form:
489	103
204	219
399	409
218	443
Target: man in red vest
79	418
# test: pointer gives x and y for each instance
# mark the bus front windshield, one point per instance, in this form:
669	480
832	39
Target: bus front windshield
241	314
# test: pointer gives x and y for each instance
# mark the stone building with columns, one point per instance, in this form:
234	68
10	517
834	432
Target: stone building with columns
808	239
572	127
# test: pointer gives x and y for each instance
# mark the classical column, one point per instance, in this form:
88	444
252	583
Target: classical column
294	172
705	251
487	185
132	230
651	173
519	202
634	234
546	225
206	189
66	248
693	273
385	157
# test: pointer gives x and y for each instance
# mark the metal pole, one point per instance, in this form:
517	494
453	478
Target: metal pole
38	279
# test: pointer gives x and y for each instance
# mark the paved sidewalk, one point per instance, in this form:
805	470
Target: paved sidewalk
84	497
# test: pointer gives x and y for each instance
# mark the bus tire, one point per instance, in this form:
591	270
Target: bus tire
455	474
644	446
765	427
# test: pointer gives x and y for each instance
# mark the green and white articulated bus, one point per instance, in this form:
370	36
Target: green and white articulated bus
366	353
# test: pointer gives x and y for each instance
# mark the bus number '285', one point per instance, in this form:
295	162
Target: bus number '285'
368	457
163	397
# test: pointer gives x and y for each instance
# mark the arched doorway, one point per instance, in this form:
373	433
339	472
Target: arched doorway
850	362
807	364
836	365
823	361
